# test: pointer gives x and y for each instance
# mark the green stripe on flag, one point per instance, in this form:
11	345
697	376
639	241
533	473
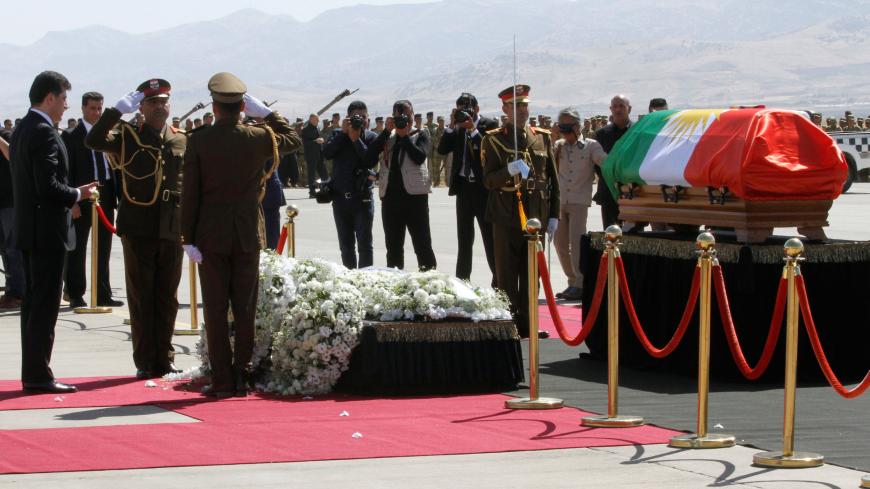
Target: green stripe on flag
623	163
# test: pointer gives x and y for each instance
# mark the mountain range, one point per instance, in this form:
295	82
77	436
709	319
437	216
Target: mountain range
796	54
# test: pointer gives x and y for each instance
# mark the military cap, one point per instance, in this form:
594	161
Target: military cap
298	119
176	119
155	88
440	118
379	119
507	95
226	88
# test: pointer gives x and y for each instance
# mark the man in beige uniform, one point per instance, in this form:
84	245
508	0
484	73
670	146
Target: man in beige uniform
576	157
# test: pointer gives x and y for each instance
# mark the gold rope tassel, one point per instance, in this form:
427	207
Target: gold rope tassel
275	162
522	210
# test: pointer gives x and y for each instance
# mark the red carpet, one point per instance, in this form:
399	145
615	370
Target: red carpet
571	318
257	430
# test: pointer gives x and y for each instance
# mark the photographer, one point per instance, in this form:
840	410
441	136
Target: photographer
465	181
404	186
353	155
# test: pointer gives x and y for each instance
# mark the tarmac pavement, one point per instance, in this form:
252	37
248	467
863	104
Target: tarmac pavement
99	345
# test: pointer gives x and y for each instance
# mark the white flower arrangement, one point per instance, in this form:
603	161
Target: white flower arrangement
310	312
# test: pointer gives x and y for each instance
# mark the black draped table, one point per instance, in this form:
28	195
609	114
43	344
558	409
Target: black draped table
659	269
441	357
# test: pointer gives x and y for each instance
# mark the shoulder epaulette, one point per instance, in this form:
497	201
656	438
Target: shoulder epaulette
494	131
194	130
541	130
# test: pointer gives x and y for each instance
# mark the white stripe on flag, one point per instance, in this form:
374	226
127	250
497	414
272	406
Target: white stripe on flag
665	162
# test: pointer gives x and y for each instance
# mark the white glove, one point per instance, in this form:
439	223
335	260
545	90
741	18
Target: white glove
518	166
552	226
255	108
129	103
193	253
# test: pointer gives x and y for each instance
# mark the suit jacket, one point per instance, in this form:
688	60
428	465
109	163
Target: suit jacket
454	142
223	173
274	196
40	179
81	165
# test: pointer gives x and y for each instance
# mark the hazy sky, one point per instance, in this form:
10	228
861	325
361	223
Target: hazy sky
26	22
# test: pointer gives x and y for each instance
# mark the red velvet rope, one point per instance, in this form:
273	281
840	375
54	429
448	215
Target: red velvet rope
281	240
105	220
588	324
635	322
810	324
750	373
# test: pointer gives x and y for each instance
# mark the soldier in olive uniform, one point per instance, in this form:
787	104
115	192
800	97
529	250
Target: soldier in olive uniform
150	158
222	222
535	171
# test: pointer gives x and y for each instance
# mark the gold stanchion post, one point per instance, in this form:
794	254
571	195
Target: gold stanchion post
95	223
702	439
292	212
612	419
533	226
788	457
194	310
865	481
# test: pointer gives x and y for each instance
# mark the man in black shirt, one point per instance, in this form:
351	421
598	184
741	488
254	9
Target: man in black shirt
353	155
311	143
607	136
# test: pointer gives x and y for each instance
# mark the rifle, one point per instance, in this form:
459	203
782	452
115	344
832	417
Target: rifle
198	106
334	101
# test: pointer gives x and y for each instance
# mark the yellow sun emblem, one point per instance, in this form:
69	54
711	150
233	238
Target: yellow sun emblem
685	123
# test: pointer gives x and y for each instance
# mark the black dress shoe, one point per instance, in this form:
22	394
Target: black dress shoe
217	394
110	303
143	374
168	369
543	334
242	380
75	302
52	387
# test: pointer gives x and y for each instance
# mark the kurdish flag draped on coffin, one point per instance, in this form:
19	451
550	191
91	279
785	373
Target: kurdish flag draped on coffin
758	153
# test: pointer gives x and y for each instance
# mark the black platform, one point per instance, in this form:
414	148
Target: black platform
659	268
411	358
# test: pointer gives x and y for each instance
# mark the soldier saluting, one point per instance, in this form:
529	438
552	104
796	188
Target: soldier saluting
533	167
149	160
222	221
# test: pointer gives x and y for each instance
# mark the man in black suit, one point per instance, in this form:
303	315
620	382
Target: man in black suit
463	139
87	165
43	228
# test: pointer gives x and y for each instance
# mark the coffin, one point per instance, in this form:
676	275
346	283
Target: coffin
748	169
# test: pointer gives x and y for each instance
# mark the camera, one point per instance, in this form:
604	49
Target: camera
323	191
357	121
463	114
401	121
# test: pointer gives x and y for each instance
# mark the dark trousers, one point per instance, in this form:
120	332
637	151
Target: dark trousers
353	222
471	200
401	211
76	275
511	272
43	270
229	279
609	207
153	269
288	169
315	168
272	217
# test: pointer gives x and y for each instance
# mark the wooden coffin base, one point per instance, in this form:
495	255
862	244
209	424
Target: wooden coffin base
752	221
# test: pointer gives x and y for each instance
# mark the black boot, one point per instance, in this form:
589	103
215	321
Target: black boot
243	382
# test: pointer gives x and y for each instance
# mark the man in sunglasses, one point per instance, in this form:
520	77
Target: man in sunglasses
576	158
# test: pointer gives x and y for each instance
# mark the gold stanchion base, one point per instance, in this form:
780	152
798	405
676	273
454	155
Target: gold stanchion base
797	460
127	321
604	421
186	332
539	403
92	310
865	481
692	440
